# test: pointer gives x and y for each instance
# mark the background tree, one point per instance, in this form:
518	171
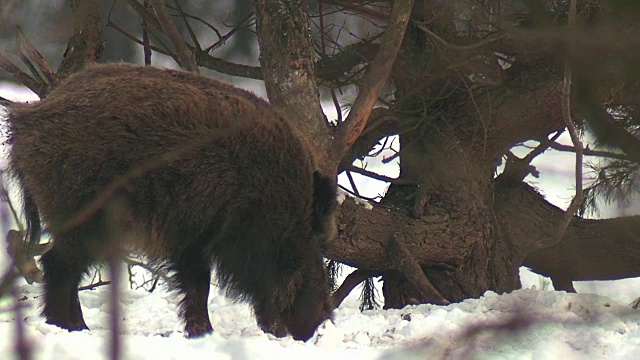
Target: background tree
465	81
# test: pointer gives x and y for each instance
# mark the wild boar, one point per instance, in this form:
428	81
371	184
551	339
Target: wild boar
245	200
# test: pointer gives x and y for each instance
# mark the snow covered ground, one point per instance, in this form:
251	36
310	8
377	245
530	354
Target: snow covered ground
526	324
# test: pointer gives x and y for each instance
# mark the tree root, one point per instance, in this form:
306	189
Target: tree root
409	267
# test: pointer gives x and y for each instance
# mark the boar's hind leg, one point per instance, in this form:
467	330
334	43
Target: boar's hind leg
193	279
63	270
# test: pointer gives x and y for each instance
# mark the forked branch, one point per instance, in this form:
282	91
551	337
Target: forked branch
184	55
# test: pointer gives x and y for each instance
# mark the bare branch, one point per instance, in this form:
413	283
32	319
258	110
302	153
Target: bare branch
94	285
352	183
226	67
36	57
192	34
576	202
444	43
146	43
21	76
22	346
373	175
185	56
377	73
32	69
223	38
141	42
590	152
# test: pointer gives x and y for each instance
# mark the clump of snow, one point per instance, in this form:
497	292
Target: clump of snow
525	324
344	194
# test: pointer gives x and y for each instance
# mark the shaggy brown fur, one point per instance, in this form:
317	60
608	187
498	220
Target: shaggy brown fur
247	202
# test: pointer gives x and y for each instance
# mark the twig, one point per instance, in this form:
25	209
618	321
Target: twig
377	72
352	183
151	269
373	175
94	285
400	256
36	57
590	152
185	57
145	38
141	42
184	17
575	139
444	43
21	76
222	39
22	345
32	69
115	212
542	147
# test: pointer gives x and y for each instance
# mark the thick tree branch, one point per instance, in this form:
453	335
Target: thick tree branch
184	55
377	73
287	59
524	217
85	44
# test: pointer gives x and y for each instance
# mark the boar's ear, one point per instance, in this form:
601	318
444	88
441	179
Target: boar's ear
324	199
